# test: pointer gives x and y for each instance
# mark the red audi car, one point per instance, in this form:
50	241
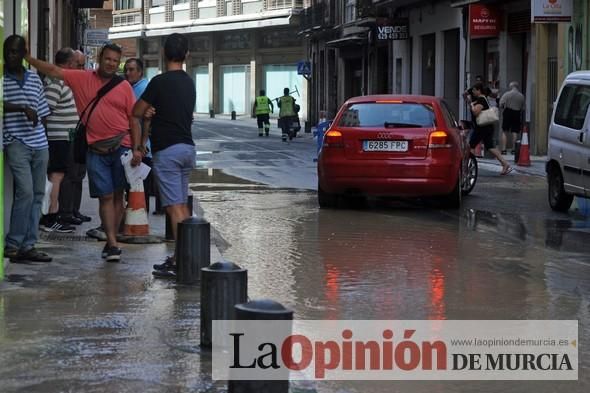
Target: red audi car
395	146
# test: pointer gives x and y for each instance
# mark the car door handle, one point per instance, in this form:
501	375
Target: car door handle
581	137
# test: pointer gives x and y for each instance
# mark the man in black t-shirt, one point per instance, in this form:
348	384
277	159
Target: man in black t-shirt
171	97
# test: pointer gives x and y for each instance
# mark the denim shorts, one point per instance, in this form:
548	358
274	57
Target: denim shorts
105	172
172	167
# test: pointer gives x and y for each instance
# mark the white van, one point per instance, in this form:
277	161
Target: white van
568	168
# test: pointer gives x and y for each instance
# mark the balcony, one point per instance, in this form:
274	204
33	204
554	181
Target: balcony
127	18
283	4
318	17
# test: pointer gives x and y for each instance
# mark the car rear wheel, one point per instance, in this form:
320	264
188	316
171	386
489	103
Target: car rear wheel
470	177
326	200
453	200
559	200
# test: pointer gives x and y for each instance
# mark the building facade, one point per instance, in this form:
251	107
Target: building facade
360	47
236	47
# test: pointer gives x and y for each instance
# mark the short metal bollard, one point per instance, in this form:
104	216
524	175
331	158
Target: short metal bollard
223	285
308	127
233	115
261	310
169	235
212	114
193	249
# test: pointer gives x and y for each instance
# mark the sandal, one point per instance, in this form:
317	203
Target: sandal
506	170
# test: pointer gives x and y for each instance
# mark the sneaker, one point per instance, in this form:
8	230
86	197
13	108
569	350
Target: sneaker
113	254
105	252
167	265
284	137
33	255
266	133
82	217
11	253
97	233
49	224
260	134
70	219
164	273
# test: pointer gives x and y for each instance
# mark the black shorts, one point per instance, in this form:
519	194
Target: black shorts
262	120
59	156
485	134
511	121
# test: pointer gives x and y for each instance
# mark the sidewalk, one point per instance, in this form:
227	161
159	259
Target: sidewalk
71	249
537	167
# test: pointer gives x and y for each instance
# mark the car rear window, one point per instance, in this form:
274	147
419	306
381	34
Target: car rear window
378	114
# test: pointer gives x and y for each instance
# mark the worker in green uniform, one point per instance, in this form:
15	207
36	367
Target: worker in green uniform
286	113
262	108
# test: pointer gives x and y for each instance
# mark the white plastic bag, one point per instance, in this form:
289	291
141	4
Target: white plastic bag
46	197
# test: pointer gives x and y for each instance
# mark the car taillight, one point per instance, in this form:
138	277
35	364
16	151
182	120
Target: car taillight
333	138
438	140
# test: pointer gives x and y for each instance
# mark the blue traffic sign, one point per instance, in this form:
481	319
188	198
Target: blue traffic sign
304	68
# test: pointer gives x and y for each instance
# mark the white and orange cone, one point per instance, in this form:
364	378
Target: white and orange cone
524	156
136	221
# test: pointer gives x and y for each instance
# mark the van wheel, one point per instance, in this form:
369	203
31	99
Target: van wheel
559	200
453	200
326	200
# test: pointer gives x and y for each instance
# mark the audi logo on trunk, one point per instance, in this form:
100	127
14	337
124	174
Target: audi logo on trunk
384	135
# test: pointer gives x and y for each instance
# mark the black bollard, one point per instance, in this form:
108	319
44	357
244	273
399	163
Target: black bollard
308	127
193	249
262	310
223	285
169	234
233	115
212	114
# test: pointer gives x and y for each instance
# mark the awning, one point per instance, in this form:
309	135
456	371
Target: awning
347	41
461	3
88	3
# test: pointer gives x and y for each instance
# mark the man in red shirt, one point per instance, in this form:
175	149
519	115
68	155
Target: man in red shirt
111	120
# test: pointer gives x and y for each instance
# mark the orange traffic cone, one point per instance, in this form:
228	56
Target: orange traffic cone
524	156
136	222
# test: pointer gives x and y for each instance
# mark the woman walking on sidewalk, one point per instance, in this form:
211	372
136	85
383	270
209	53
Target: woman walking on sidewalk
484	133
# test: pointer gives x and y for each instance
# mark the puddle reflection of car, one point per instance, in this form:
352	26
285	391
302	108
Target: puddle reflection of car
395	146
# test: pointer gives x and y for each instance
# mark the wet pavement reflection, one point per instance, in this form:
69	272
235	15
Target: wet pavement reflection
398	260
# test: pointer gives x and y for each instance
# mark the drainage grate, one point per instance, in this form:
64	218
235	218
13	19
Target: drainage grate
67	237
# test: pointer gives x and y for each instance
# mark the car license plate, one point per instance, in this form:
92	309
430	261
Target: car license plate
385	145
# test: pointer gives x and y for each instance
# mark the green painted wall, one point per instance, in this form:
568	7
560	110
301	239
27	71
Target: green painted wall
577	37
1	148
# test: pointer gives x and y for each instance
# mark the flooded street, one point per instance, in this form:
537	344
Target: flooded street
80	325
405	262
